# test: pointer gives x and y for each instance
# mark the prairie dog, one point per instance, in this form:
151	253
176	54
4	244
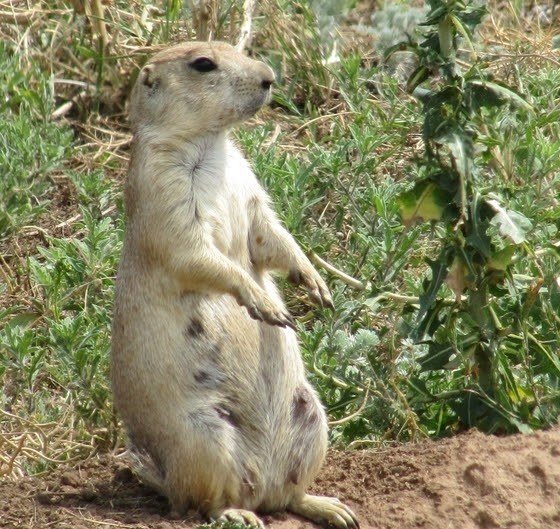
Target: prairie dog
206	370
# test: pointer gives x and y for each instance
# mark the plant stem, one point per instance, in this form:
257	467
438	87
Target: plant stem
484	354
445	34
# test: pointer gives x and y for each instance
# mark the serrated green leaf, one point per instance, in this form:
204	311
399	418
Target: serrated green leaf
481	96
428	309
473	16
478	238
510	223
463	30
425	202
549	356
502	259
25	319
521	426
460	146
417	77
435	15
504	93
437	357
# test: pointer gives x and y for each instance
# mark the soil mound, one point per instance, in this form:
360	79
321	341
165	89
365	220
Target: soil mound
469	481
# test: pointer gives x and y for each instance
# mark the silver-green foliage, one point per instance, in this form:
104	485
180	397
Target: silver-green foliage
31	146
54	338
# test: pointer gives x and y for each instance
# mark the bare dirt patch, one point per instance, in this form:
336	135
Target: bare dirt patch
469	481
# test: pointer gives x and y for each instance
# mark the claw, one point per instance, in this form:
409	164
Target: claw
289	322
280	319
322	297
240	516
314	284
284	320
328	511
319	292
254	313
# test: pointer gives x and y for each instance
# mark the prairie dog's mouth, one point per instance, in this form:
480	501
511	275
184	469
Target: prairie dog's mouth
252	106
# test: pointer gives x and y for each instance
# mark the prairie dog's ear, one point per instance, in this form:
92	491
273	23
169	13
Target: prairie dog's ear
147	76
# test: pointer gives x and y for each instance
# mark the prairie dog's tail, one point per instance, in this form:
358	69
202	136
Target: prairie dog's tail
143	465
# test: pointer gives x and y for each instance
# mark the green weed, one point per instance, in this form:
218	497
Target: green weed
28	155
486	260
54	335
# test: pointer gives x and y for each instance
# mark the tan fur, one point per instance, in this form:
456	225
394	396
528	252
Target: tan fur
206	371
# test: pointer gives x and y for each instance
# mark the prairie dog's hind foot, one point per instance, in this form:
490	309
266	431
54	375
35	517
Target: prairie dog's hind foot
238	516
325	511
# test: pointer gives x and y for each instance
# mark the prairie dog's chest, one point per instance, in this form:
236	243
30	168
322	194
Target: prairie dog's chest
223	186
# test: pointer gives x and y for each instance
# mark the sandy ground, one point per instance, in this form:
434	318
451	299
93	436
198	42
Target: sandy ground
469	481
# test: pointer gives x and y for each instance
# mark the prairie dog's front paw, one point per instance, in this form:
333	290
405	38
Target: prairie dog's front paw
314	283
261	307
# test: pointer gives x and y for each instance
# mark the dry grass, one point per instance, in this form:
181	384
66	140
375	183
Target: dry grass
511	42
25	443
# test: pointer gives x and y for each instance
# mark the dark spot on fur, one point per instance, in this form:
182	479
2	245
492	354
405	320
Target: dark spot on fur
210	376
149	79
215	352
295	277
195	328
302	398
304	406
227	415
202	377
259	239
293	477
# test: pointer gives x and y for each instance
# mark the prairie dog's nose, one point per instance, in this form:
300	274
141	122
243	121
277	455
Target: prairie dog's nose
267	76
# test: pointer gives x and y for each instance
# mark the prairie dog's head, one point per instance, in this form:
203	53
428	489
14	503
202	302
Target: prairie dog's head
198	88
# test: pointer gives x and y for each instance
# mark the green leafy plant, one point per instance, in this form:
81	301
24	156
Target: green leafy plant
482	311
28	155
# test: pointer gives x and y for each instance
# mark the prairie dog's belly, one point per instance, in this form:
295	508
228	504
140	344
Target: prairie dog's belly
192	342
207	361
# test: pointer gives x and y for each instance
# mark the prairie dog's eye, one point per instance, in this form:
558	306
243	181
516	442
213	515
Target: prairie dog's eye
203	64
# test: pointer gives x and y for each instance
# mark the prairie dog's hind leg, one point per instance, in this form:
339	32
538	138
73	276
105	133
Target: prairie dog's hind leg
325	511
